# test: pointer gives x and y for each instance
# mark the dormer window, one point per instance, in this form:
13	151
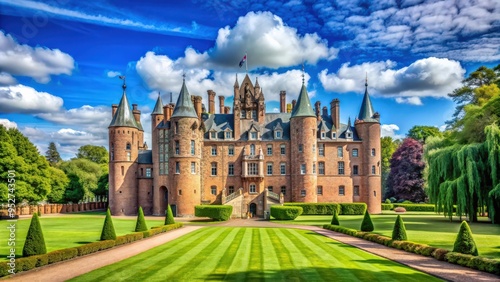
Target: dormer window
213	135
348	135
253	135
323	134
277	135
334	135
228	135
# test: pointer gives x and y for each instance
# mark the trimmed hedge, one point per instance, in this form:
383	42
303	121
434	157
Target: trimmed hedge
387	207
367	224
215	212
140	225
64	254
285	212
108	230
341	229
474	262
416	207
34	244
169	216
352	208
316	208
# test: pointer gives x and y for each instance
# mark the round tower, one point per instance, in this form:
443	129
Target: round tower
303	150
185	161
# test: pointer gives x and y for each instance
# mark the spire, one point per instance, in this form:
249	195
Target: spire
123	115
303	107
349	123
366	112
171	101
257	82
158	110
236	84
184	106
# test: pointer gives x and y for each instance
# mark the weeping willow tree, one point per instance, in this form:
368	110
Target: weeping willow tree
466	176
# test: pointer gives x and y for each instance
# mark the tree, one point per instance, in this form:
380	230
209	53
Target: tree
464	243
399	231
421	132
102	185
169	216
58	182
140	225
388	147
405	180
335	218
96	154
108	230
35	243
367	224
52	155
85	172
74	191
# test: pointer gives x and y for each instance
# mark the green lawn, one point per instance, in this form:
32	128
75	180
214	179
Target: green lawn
244	254
428	228
67	231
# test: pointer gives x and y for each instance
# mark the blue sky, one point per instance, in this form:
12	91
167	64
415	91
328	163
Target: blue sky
59	59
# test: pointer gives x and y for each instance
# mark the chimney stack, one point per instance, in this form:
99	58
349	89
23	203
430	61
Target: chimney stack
335	110
288	108
325	111
317	107
197	105
221	104
136	113
227	110
114	107
282	101
211	102
293	104
168	110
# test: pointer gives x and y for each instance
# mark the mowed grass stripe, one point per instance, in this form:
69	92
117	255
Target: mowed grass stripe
289	270
271	265
228	257
255	265
241	257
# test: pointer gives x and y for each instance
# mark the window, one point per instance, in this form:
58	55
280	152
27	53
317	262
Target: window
177	147
128	146
230	189
303	169
269	168
356	190
334	135
230	150
283	168
192	148
193	167
112	156
303	193
253	188
321	149
373	152
213	190
340	152
214	169
341	190
269	150
373	169
228	135
253	135
123	170
254	114
341	167
355	170
314	168
177	167
323	135
278	134
320	190
314	148
129	158
283	190
283	149
321	168
253	169
354	152
270	188
230	169
243	114
252	150
349	135
301	148
214	150
213	135
148	172
180	192
176	127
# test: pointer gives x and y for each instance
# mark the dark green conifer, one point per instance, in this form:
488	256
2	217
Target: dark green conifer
108	230
335	218
465	243
141	222
367	224
169	216
35	243
399	231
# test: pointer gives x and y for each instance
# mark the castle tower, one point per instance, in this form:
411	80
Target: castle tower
368	128
124	142
157	114
303	126
236	109
185	161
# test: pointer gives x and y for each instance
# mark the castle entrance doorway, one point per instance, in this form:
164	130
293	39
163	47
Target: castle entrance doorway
253	209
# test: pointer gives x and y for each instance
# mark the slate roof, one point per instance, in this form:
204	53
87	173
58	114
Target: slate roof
303	107
184	107
158	110
123	115
366	112
145	157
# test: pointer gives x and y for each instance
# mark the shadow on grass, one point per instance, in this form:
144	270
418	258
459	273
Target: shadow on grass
84	242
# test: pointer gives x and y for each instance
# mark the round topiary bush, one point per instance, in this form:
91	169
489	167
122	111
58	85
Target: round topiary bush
465	243
399	209
108	230
169	216
367	224
335	218
285	212
399	231
140	225
35	243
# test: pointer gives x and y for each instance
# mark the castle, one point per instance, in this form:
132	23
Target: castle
249	159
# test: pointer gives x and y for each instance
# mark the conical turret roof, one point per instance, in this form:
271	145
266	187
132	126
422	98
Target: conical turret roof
123	115
366	112
158	110
303	107
184	107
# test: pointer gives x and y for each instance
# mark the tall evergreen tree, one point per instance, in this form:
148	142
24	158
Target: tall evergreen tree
108	230
169	216
35	243
140	225
52	155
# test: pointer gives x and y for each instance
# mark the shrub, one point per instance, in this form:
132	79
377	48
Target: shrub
367	224
169	216
407	202
108	230
465	243
141	222
475	262
387	201
4	269
316	208
392	199
439	254
399	231
60	255
345	230
387	207
352	208
285	212
35	243
26	263
215	212
416	207
399	209
335	218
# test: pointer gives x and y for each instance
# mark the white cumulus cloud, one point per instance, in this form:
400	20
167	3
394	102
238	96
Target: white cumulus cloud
7	123
409	100
390	130
113	73
24	99
7	79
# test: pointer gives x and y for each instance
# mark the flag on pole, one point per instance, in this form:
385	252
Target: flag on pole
243	60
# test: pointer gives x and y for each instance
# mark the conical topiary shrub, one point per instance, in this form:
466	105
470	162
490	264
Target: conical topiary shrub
34	244
169	216
108	230
335	218
141	222
367	224
465	243
399	231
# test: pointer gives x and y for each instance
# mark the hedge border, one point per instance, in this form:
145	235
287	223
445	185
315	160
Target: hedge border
285	212
316	208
